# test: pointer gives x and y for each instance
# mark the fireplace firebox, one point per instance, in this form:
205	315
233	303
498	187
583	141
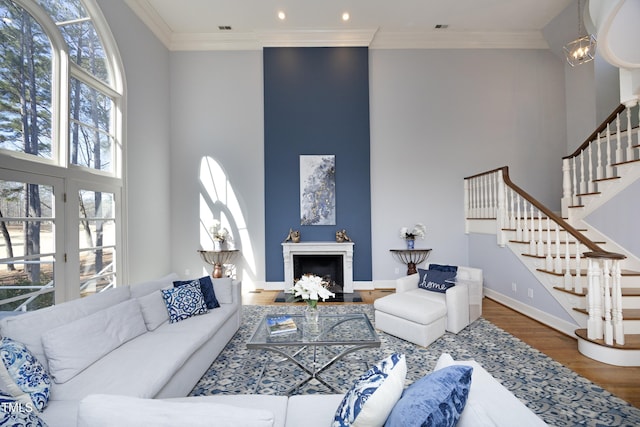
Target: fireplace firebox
342	276
327	266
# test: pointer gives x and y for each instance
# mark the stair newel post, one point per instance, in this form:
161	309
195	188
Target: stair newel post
532	244
540	249
599	168
577	284
568	285
549	257
594	301
619	158
557	264
518	220
629	135
590	186
501	214
606	302
616	292
609	168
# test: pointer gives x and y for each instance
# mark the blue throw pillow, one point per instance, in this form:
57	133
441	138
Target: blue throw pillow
22	377
372	396
446	268
435	280
434	400
184	301
206	286
16	414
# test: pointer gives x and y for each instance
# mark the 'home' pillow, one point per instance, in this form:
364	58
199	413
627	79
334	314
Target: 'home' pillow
184	301
206	286
372	396
436	399
22	377
435	280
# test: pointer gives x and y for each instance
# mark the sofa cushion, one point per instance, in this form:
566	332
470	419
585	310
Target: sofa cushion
22	377
492	397
184	301
224	290
435	280
144	288
104	410
148	358
436	399
206	286
372	396
72	347
412	306
154	310
444	268
29	327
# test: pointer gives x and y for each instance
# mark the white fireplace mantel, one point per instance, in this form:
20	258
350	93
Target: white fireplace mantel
319	248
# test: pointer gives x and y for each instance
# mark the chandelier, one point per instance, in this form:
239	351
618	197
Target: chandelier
582	49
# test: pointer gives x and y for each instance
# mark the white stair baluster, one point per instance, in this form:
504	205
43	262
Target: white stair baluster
568	285
599	168
590	184
525	225
532	243
629	136
609	168
540	251
512	211
577	283
549	258
619	158
518	220
583	183
557	265
575	200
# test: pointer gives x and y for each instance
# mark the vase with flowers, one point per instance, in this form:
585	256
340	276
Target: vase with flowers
219	235
410	235
310	289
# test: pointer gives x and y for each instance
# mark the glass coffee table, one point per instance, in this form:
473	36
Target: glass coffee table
339	335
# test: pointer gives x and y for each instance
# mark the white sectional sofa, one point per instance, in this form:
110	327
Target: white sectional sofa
488	404
162	360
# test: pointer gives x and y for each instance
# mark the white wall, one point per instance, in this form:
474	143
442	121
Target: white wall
438	116
146	63
217	111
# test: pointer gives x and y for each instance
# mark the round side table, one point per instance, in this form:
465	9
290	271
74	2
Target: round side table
217	259
411	257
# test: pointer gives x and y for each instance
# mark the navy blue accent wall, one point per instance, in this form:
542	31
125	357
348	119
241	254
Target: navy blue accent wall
316	101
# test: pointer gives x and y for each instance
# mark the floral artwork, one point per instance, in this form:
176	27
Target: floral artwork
317	190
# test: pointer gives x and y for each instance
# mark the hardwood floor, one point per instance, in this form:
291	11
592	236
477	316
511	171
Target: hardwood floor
623	382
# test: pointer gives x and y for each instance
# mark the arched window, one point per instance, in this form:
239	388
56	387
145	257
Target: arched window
61	150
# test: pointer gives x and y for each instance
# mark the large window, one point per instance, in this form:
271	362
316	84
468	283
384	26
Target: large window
60	153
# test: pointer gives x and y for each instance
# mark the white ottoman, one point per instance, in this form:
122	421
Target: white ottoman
417	320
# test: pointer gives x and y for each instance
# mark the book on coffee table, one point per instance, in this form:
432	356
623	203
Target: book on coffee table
280	325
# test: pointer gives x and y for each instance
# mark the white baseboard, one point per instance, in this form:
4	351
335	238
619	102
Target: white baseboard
556	323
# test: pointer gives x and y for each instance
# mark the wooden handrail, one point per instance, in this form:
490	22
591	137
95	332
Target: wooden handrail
596	251
612	117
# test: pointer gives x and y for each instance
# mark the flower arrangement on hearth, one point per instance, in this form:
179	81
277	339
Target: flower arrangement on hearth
218	233
418	230
310	288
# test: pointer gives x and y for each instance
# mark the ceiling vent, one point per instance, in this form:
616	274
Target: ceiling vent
441	26
224	27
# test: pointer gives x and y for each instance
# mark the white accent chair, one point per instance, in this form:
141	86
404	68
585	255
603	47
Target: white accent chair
422	316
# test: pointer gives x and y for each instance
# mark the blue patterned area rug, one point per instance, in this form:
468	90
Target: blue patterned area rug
557	394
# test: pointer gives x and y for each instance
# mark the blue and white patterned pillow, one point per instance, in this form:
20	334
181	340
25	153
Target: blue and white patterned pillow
184	301
22	377
435	400
206	286
373	395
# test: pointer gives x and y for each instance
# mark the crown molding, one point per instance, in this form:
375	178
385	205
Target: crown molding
459	40
151	19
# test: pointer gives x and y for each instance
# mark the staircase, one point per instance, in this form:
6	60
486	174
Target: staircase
595	279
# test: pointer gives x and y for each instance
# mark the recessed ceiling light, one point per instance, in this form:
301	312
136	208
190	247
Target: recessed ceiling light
345	16
224	27
282	16
441	26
